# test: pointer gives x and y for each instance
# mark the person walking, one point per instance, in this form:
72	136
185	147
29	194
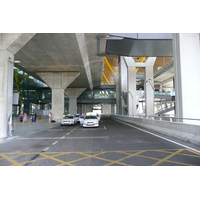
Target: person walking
50	117
21	117
32	117
25	117
35	117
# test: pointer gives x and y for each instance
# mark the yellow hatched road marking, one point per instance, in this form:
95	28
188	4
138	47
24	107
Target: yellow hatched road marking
95	156
166	158
10	160
88	156
117	161
58	160
193	151
30	161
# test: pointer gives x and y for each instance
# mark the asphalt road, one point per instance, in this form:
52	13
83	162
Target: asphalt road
112	144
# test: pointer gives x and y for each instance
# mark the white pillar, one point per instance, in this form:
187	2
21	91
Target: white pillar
106	109
131	82
118	96
122	84
73	94
58	81
10	43
187	72
149	86
6	90
57	103
113	109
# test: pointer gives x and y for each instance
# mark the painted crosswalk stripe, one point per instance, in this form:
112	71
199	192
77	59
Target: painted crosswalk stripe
55	142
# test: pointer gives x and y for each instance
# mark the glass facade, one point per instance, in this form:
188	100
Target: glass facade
35	96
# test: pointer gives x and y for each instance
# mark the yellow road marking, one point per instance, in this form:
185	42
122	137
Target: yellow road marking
135	154
193	151
169	156
95	154
10	160
61	161
166	160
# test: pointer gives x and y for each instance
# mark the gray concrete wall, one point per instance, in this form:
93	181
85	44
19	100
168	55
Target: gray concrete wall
181	131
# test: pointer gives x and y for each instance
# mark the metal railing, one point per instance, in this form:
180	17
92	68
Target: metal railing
164	118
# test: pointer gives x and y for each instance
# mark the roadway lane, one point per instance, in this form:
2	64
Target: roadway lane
112	144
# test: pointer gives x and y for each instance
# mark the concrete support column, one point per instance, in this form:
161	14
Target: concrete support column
186	51
87	108
58	81
6	91
118	93
149	86
57	103
113	109
73	94
10	44
131	81
106	109
122	85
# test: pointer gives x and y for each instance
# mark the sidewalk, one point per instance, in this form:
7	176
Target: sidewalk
21	128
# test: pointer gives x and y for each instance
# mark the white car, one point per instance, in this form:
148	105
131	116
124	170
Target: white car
68	120
90	121
94	114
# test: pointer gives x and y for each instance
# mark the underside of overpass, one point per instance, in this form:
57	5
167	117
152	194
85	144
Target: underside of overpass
72	62
81	53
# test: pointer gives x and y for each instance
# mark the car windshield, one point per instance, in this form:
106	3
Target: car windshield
68	117
90	117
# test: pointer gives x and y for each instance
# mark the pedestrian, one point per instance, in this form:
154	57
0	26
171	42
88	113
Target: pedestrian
50	117
35	117
21	117
10	127
32	117
25	117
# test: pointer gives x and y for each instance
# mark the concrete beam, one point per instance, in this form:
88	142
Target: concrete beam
58	79
84	53
73	94
13	42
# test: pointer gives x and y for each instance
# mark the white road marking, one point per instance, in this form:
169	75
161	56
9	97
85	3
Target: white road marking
54	142
42	138
158	136
62	137
97	137
46	149
66	138
104	127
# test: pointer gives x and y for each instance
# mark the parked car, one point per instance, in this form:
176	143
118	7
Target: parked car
68	120
94	114
90	121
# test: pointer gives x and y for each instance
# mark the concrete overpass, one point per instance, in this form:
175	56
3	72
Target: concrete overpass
72	62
